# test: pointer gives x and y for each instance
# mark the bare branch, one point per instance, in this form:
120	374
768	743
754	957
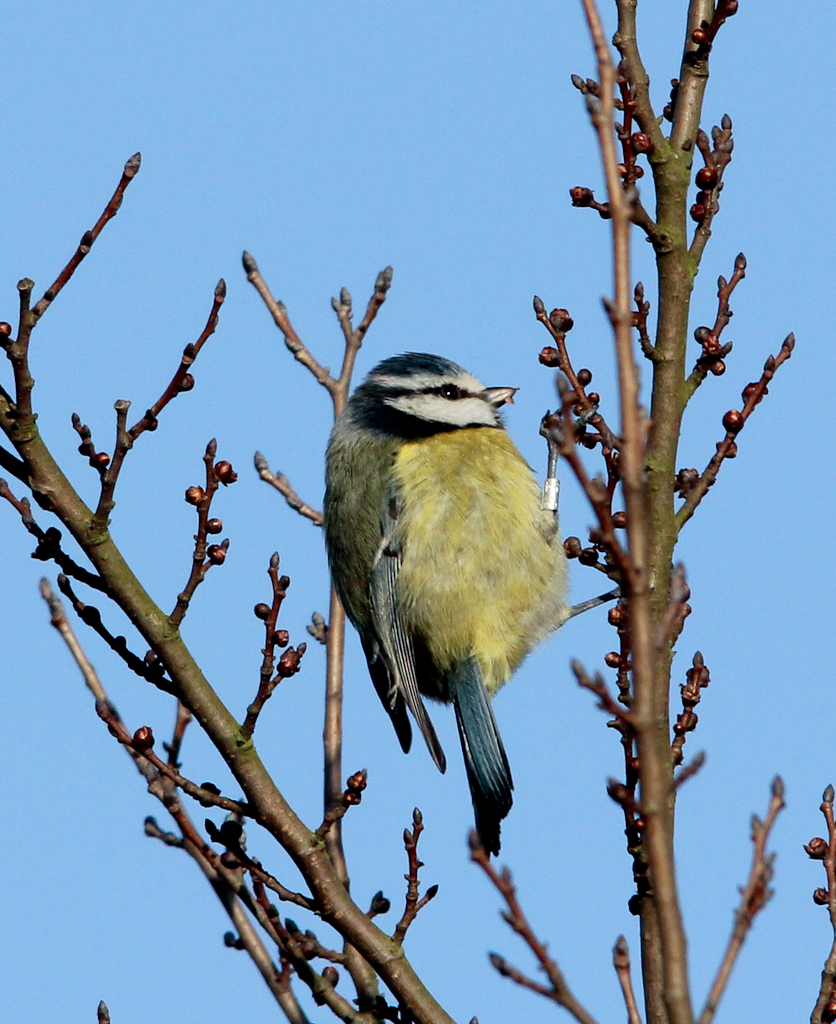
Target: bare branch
621	962
88	238
753	898
413	903
283	486
825	850
558	991
733	422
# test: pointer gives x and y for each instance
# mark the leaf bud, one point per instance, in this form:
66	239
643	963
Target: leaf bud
561	321
216	553
195	495
816	849
616	615
572	547
261	611
549	356
225	473
214	526
733	421
706	178
821	897
331	976
581	196
143	738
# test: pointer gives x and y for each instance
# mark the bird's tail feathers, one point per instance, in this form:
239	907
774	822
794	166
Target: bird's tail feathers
484	755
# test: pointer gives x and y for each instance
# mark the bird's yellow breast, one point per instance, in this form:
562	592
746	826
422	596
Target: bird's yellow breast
482	574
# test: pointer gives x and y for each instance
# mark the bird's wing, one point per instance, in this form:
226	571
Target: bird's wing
396	647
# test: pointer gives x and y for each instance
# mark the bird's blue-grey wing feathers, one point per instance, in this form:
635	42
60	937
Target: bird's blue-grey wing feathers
396	647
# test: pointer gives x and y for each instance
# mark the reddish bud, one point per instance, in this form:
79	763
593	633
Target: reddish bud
194	495
187	383
143	738
230	861
588	556
549	356
561	321
331	976
706	178
698	213
572	547
699	36
216	553
718	367
357	781
622	170
686	722
710	344
5	329
821	897
261	611
816	848
281	638
638	171
733	421
581	196
214	526
225	473
350	798
584	377
594	397
613	659
616	616
619	520
101	460
730	8
641	143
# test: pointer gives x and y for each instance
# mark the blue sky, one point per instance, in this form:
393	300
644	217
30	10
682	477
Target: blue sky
331	139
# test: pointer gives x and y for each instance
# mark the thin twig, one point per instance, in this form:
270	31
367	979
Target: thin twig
201	498
733	421
49	543
753	898
621	962
558	991
89	237
182	381
825	850
713	353
151	670
413	903
283	486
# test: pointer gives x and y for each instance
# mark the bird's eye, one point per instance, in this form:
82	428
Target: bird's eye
450	391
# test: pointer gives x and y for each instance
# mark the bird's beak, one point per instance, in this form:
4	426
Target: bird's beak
499	396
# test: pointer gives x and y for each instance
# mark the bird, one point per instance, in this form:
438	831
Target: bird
443	556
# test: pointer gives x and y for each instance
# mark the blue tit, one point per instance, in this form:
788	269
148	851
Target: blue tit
442	555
